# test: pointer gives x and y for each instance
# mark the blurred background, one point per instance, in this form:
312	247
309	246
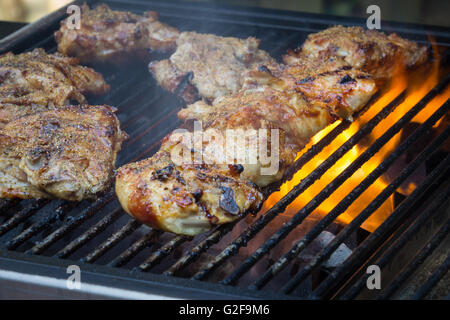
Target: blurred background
433	12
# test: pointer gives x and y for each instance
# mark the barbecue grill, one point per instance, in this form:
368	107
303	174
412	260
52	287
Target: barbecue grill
257	257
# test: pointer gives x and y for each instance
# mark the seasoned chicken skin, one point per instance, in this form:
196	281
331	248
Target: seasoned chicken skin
295	101
372	51
111	36
65	152
207	66
39	78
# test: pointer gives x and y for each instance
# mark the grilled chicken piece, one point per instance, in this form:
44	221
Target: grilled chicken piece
207	66
64	152
187	199
39	78
296	101
372	51
110	36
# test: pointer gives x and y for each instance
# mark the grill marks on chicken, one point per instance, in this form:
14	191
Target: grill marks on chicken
207	66
297	100
372	51
111	36
61	152
39	78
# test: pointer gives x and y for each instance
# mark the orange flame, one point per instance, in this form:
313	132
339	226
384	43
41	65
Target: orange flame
414	94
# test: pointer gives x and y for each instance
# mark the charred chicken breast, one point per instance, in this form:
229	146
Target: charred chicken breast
63	152
111	36
207	66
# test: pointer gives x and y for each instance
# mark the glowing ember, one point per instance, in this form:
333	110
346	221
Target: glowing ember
416	92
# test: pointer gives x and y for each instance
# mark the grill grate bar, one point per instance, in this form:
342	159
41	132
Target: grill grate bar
162	252
300	188
215	237
124	87
22	215
44	43
332	186
314	150
137	111
110	78
281	205
149	149
42	245
378	201
148	128
88	235
195	252
409	233
73	222
6	204
416	262
39	226
101	202
137	154
341	206
137	247
126	230
434	279
373	240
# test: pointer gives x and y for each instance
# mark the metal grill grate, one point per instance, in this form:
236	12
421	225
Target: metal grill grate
100	234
